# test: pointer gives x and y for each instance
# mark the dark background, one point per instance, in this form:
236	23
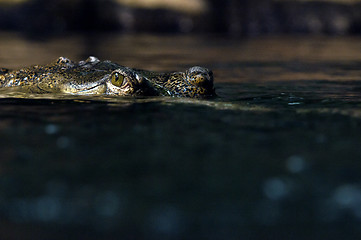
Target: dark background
39	18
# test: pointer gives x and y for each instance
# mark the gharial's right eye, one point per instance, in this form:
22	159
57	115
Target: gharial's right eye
117	79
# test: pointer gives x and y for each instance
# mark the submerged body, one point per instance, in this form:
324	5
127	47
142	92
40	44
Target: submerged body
95	77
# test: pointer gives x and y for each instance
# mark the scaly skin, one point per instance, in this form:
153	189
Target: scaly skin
95	77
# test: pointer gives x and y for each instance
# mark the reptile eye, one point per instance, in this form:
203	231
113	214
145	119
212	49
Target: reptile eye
117	79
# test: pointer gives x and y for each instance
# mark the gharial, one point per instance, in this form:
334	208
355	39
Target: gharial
95	77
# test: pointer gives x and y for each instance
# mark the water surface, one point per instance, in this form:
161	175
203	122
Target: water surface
275	156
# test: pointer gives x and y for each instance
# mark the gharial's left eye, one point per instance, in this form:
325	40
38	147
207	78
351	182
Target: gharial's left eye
117	79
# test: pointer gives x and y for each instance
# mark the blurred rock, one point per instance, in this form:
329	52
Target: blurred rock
316	17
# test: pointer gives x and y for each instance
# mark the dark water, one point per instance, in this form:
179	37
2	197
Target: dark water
275	156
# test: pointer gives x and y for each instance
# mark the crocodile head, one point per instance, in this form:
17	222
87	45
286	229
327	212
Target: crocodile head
124	81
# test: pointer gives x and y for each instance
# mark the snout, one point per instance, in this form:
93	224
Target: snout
202	78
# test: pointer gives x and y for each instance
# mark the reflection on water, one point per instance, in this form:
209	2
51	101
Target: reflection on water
275	154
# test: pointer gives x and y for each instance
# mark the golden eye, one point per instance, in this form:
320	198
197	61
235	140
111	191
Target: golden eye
117	79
